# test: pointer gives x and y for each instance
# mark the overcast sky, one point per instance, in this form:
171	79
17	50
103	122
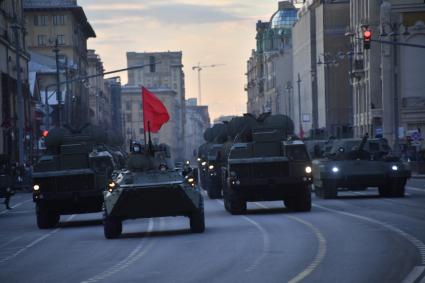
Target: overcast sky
209	31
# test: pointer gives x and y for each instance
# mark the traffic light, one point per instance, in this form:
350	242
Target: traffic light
45	133
367	38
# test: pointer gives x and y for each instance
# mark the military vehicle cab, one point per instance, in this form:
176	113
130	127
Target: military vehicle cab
151	187
265	166
72	174
357	164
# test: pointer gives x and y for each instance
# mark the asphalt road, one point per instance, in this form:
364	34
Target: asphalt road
355	238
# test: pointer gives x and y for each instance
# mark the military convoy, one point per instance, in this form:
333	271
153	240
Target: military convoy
150	187
357	164
73	172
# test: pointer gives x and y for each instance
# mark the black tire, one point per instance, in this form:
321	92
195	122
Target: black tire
384	191
235	205
329	190
197	219
300	203
397	188
112	226
45	218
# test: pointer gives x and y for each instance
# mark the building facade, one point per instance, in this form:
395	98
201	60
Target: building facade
321	90
167	76
197	121
269	69
12	24
386	76
116	107
63	25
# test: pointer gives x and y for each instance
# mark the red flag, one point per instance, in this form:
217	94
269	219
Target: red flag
154	112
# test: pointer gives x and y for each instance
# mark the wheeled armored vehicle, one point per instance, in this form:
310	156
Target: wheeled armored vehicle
263	165
149	188
358	164
72	174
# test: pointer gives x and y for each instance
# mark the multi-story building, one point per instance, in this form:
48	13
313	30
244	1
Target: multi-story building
269	69
320	88
384	75
197	121
132	109
62	24
116	111
167	76
99	92
12	23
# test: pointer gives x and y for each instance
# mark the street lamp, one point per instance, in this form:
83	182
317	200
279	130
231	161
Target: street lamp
395	28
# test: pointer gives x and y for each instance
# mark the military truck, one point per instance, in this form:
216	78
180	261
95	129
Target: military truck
358	164
264	165
150	188
215	160
72	174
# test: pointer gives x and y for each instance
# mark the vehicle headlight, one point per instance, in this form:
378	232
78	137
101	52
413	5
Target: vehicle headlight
335	169
111	186
191	180
36	187
211	167
203	163
199	159
308	169
394	168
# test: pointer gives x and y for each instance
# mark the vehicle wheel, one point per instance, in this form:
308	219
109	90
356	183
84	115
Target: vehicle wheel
45	218
236	206
214	192
384	191
197	219
329	190
112	227
300	203
397	188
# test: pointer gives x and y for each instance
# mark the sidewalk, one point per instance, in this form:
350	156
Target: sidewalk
418	176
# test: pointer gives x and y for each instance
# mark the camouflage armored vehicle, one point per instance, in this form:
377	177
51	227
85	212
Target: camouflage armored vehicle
71	176
358	164
203	156
263	165
149	188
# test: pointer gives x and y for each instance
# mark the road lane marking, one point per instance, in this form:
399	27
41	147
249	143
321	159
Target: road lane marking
264	235
9	242
415	189
419	245
15	206
321	251
33	243
138	252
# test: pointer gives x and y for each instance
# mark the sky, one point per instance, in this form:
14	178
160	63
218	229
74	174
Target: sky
209	32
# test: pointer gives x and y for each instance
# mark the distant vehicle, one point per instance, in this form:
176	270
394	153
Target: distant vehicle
358	164
150	188
263	165
72	174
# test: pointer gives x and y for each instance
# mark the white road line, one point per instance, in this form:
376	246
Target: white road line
137	253
415	189
420	246
266	241
321	251
9	242
15	206
30	245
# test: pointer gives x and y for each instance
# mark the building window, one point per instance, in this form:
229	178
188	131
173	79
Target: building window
61	39
141	131
128	106
41	40
40	20
128	117
59	20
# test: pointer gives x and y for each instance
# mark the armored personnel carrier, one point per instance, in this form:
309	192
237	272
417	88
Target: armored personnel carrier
359	164
149	188
72	174
263	165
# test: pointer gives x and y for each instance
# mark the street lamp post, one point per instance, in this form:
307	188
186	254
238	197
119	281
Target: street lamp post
288	104
56	50
299	106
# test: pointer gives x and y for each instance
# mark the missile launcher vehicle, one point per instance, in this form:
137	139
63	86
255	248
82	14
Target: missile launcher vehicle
149	188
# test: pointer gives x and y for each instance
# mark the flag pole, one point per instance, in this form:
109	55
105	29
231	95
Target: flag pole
143	110
150	140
